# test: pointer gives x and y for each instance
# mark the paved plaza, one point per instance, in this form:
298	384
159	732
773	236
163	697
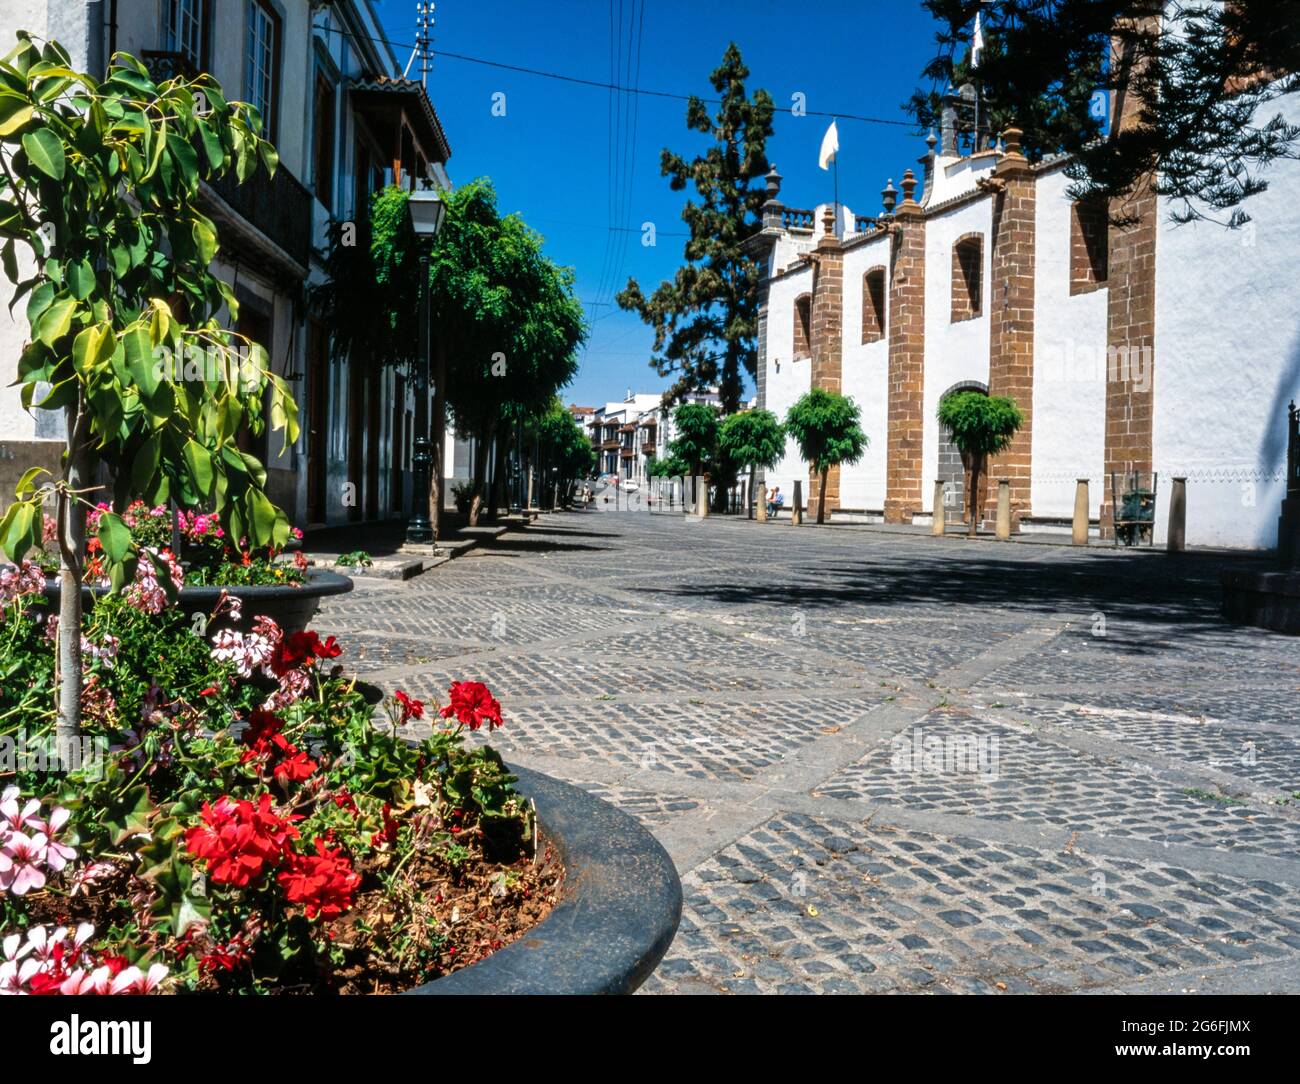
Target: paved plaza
891	763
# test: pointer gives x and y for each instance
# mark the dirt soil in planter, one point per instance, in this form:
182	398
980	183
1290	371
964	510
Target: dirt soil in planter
455	915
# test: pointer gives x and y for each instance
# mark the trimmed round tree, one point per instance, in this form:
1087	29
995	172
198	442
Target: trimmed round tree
753	439
696	442
980	425
825	425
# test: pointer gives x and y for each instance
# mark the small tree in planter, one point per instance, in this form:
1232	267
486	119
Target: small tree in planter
98	186
825	426
753	439
980	425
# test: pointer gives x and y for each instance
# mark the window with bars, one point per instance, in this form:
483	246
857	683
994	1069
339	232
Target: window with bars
263	55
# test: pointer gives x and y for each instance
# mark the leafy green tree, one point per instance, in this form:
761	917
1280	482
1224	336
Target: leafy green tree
667	467
706	319
561	446
506	324
1204	73
99	183
825	425
696	440
980	426
519	323
753	439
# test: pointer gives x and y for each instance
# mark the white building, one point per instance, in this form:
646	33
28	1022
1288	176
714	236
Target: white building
345	123
1152	348
625	434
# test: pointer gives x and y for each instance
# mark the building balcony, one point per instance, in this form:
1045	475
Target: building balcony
279	208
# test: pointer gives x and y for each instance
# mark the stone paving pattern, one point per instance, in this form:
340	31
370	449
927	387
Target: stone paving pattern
748	691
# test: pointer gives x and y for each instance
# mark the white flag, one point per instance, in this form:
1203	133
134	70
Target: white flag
976	43
830	146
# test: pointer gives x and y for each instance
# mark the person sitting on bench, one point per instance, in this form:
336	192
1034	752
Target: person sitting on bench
775	502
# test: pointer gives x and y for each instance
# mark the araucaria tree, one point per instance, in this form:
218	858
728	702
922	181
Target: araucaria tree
99	183
980	426
1203	74
706	319
825	426
753	439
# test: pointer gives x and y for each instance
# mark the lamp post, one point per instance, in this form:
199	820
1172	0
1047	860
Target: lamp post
426	210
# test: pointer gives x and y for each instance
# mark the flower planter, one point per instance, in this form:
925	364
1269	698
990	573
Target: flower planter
618	912
291	607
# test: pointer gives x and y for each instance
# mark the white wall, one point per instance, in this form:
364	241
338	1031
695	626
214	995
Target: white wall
787	379
1228	360
865	378
953	351
1069	417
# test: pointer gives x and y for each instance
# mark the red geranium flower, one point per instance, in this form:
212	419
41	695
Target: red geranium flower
294	765
239	841
472	705
323	883
262	725
411	708
299	648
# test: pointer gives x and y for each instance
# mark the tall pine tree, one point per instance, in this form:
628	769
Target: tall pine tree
706	318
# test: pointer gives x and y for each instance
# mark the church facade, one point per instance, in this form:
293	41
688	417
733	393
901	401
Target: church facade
1138	354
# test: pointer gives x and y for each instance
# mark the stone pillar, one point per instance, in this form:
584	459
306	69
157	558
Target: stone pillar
1011	314
1081	512
937	527
1004	510
760	502
827	343
796	504
906	425
1176	541
702	496
1131	305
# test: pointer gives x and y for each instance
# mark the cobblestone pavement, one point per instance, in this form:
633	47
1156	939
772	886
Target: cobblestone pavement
887	763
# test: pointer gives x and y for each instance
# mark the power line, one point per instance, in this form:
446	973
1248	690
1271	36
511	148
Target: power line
597	84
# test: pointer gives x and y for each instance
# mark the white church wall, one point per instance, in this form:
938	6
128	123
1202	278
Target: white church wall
954	351
787	379
1069	415
1228	361
865	377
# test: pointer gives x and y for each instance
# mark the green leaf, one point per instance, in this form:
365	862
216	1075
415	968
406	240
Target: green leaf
55	321
200	464
261	516
63	394
140	360
205	240
186	159
81	279
15	111
145	464
39	301
27	483
45	151
18	533
115	537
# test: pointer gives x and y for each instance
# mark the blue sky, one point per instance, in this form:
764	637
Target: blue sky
552	158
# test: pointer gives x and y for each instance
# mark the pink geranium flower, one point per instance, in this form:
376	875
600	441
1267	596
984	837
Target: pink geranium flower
22	859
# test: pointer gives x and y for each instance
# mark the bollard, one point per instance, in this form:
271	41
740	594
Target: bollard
1004	510
1081	512
937	527
702	496
1177	541
796	505
760	502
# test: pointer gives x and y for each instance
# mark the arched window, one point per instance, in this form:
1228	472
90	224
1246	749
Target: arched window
802	326
968	277
1089	245
873	305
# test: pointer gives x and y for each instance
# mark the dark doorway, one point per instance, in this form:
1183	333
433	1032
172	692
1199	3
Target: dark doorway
317	419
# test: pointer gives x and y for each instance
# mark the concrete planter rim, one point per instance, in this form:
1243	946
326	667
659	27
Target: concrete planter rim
618	912
320	583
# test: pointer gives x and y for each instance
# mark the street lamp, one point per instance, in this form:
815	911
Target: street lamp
426	210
